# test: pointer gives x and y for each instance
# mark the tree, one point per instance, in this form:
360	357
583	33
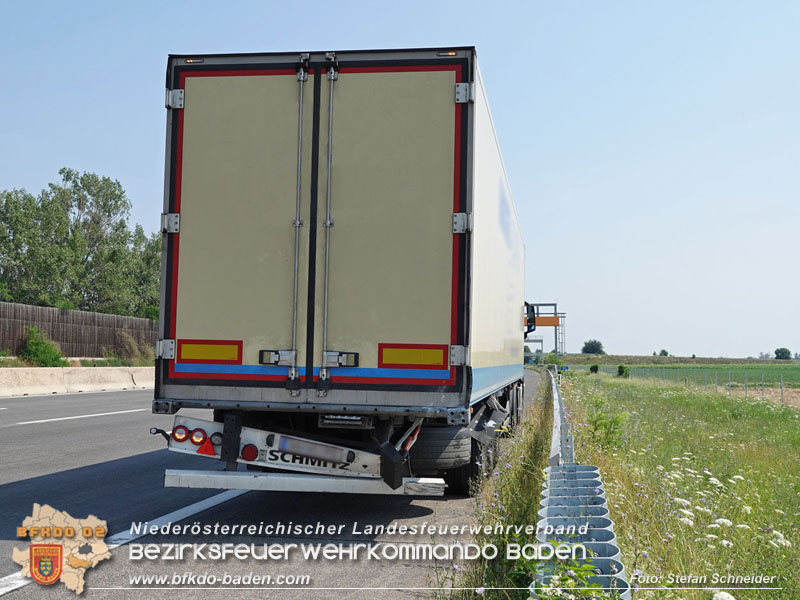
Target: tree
783	354
663	353
592	347
70	247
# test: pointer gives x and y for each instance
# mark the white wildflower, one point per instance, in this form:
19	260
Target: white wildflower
714	481
688	513
711	536
682	501
722	596
779	511
724	522
726	543
742	526
747	509
739	477
686	521
713	526
702	510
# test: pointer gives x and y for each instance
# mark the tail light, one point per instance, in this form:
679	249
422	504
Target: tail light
180	433
216	438
197	437
249	453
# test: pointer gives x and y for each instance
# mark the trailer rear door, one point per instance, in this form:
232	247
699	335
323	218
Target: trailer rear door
377	269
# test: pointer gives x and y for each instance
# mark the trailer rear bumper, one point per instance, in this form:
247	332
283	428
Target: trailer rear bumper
455	416
296	482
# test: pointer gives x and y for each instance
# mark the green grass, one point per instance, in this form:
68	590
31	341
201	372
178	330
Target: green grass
772	370
722	459
106	362
508	494
628	359
12	362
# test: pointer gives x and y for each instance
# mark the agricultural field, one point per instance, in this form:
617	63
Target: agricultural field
647	360
703	374
700	485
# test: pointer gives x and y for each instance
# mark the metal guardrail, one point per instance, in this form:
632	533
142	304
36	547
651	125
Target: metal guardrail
573	494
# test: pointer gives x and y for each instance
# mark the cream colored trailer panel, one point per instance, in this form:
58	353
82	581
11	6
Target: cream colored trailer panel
498	254
404	289
235	257
391	246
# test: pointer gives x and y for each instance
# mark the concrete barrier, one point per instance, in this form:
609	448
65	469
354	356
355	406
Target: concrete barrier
57	380
22	382
97	379
143	377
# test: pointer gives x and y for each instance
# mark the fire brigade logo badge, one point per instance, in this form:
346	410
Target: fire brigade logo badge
46	561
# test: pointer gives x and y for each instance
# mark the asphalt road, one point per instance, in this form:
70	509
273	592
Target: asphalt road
92	454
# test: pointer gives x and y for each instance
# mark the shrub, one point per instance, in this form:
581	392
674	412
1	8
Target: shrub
622	371
127	347
147	355
129	353
552	359
592	347
594	368
40	351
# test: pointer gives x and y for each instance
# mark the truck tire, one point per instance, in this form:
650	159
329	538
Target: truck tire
460	480
440	449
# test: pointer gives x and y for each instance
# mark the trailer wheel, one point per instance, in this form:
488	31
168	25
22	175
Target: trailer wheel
483	460
440	449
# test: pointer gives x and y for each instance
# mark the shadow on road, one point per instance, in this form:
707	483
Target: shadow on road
118	491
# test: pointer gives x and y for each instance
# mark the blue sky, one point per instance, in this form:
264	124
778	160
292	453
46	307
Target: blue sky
652	147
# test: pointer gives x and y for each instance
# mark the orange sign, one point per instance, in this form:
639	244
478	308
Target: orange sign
547	321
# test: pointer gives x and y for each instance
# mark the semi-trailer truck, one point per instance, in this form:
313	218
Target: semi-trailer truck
342	272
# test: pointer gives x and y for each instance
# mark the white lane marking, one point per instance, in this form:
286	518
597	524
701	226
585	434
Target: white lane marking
62	394
116	412
125	537
3	408
13	582
16	580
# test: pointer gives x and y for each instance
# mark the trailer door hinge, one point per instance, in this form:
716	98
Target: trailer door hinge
459	356
174	99
170	222
165	349
465	92
462	222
